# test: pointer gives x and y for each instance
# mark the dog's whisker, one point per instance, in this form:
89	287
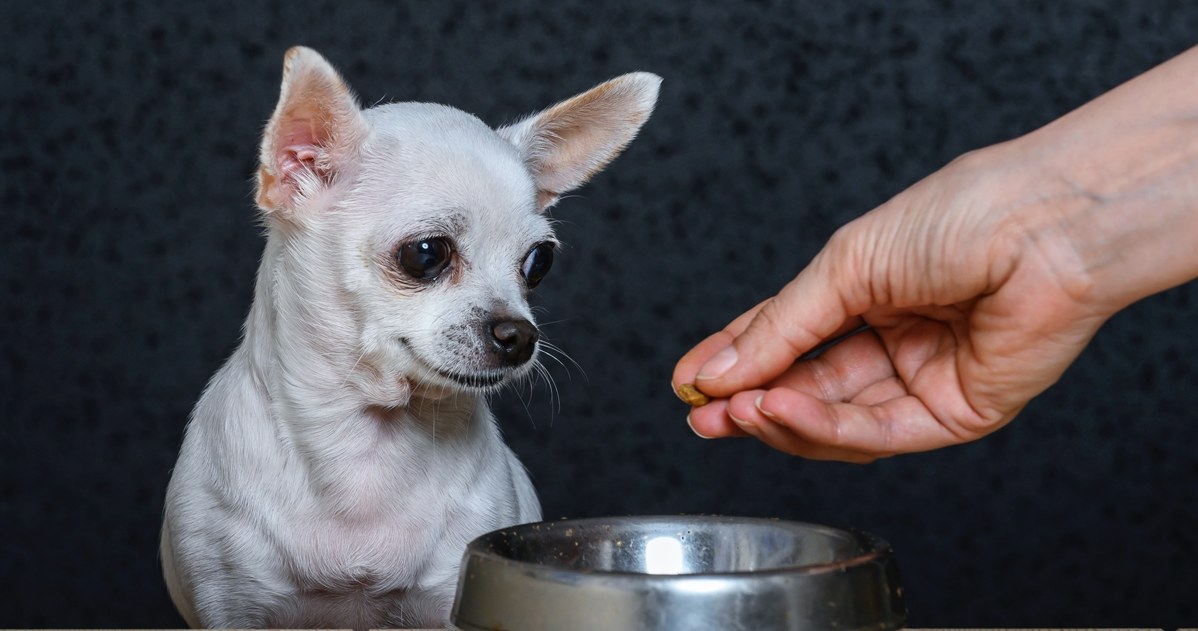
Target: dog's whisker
524	401
555	395
558	361
557	354
351	372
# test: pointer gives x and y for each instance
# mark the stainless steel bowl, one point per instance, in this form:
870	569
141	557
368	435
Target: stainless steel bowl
677	574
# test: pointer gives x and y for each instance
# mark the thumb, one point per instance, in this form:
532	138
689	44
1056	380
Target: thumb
809	310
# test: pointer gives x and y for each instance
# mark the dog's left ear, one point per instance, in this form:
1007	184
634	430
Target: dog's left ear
316	128
571	141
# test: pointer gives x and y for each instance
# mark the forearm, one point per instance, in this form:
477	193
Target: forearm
1119	180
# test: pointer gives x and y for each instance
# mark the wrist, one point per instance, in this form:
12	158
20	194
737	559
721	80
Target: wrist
1124	205
1114	186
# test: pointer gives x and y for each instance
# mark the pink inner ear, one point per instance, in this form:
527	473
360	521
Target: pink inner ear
298	148
293	159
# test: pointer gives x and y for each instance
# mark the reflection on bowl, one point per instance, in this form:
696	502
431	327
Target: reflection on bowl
677	574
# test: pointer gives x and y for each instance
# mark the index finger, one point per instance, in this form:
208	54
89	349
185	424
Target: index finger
687	367
810	310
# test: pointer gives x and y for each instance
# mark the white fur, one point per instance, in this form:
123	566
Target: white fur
331	474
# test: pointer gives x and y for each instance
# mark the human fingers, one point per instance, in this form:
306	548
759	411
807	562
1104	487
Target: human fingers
843	370
712	421
902	424
824	374
751	422
855	365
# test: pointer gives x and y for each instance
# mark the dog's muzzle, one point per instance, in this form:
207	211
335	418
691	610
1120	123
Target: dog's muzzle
513	341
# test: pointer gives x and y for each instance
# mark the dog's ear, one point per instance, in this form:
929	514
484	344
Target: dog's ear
315	129
571	141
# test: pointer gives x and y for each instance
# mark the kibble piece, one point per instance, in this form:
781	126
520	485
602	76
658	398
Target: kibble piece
691	396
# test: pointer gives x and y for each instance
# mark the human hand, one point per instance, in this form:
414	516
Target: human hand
975	299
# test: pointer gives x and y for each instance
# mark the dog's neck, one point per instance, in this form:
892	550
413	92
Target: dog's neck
303	352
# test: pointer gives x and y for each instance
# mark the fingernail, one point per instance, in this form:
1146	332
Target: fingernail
739	422
764	412
692	426
719	364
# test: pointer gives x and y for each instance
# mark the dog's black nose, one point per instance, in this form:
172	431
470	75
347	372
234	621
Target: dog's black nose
514	340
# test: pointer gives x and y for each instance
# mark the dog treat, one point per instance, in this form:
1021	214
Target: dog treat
691	396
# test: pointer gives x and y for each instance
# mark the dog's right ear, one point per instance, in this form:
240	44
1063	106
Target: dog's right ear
314	132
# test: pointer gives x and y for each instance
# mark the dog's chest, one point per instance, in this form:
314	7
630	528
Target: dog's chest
368	572
362	591
339	557
376	532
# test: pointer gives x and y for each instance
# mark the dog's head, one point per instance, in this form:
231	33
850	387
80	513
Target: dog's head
412	233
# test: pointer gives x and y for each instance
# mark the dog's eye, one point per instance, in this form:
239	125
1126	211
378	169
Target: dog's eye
537	264
425	259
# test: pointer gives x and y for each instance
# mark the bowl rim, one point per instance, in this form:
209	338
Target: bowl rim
874	548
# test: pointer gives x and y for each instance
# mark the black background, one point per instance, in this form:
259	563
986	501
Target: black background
128	245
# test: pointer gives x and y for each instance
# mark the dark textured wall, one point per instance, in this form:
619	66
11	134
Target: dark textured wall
128	245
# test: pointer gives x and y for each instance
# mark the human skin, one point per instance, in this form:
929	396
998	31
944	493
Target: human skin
979	285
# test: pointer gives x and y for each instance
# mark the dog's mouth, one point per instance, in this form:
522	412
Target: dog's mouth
473	380
481	380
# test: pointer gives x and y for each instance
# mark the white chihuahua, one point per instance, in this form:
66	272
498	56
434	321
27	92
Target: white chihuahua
336	466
